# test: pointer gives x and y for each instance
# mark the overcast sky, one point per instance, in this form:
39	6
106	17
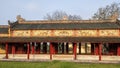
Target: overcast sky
37	9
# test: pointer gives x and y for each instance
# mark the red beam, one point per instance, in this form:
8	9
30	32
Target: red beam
6	48
75	51
51	51
28	51
13	50
100	51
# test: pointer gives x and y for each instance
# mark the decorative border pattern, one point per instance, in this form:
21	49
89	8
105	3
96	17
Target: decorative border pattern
108	32
66	33
21	33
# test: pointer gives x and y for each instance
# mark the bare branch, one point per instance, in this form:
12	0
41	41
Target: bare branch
107	12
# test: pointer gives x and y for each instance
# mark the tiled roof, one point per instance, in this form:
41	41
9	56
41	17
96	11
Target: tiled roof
105	25
3	29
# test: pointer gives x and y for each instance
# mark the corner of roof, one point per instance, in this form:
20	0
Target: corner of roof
12	24
118	22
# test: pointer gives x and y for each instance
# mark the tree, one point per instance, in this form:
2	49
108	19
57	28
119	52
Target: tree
107	12
60	15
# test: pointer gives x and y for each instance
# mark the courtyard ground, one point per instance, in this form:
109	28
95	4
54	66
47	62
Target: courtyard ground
55	64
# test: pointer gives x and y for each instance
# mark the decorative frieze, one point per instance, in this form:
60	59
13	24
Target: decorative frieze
65	33
86	33
109	33
41	33
21	33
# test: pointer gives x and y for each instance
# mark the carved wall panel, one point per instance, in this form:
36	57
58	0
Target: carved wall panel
109	33
21	33
86	33
63	33
41	33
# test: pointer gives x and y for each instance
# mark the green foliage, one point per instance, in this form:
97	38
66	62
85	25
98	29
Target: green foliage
55	64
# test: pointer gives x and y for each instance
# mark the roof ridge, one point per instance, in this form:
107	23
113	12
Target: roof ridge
22	20
66	21
4	26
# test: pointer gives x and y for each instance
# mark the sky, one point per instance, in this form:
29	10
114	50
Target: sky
37	9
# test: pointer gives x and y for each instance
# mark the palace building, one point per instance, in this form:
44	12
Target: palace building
60	39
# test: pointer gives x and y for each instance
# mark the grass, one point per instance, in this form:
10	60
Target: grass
55	64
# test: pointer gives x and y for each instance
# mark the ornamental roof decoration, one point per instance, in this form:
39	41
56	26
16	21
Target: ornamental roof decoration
20	19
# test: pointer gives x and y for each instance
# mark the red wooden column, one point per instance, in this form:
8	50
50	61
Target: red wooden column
6	48
51	51
28	51
13	49
118	50
75	50
100	51
33	49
